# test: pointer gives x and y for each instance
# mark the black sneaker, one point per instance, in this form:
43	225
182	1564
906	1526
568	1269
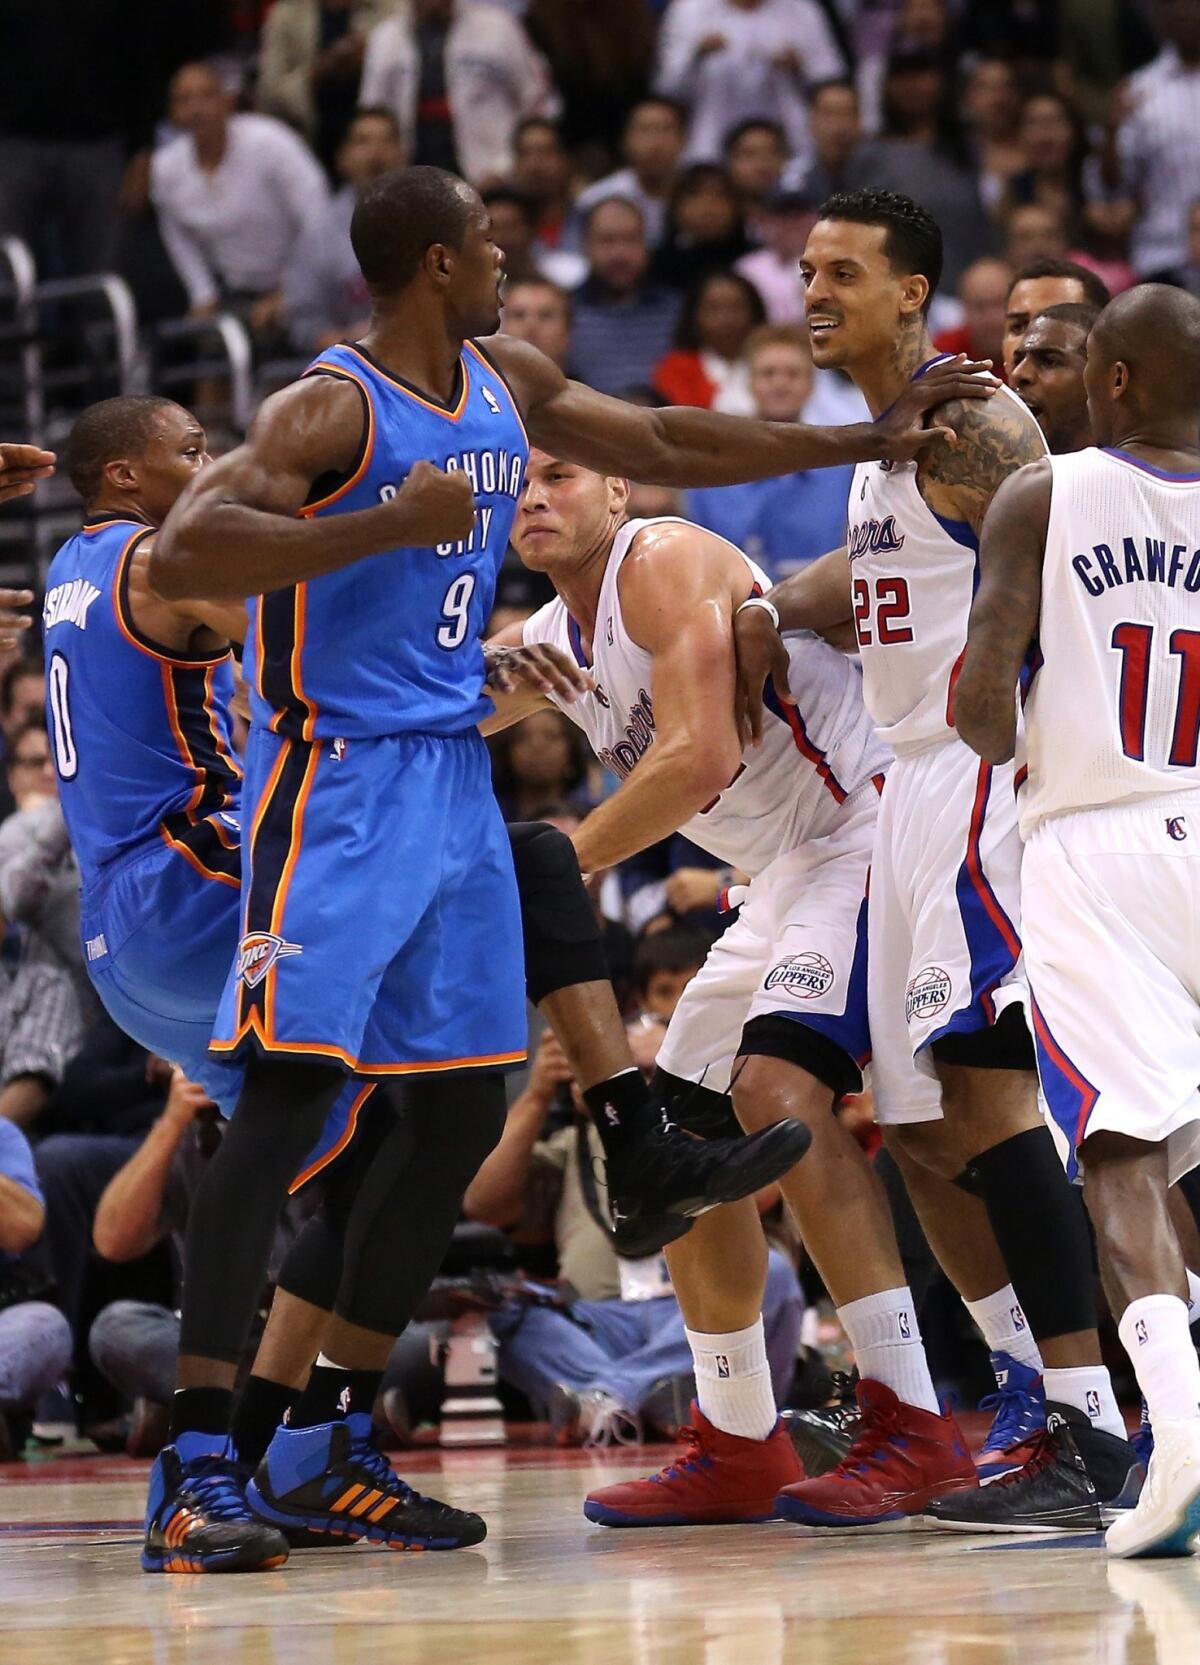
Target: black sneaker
197	1520
658	1186
1114	1465
822	1437
334	1479
1051	1492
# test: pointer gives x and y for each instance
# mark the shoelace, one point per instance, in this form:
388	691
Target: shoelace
688	1459
877	1429
216	1484
368	1455
1018	1415
612	1424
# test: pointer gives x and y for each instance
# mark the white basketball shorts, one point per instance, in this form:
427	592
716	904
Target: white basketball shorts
1112	942
797	949
943	921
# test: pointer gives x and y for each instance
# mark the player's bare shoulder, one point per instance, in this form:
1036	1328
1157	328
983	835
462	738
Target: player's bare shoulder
677	559
994	439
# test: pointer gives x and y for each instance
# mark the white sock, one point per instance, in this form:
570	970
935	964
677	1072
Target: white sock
733	1381
1087	1388
1004	1326
1154	1332
886	1339
1193	1297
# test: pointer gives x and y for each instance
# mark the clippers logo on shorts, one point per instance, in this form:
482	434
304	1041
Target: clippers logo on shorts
1139	1330
928	992
258	952
1177	828
904	1326
804	976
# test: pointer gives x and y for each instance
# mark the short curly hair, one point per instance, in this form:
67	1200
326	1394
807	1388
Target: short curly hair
913	240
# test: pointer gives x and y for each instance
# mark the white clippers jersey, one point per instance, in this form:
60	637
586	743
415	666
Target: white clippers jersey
912	577
1113	711
789	789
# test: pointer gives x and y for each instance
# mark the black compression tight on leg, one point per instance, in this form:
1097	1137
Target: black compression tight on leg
563	945
279	1117
1039	1223
408	1203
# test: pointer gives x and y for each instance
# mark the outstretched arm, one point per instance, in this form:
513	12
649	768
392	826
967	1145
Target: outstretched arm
1004	616
682	446
677	602
235	531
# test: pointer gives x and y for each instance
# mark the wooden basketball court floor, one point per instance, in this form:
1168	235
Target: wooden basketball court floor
548	1587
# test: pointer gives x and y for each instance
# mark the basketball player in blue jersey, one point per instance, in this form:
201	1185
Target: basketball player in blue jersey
150	789
364	767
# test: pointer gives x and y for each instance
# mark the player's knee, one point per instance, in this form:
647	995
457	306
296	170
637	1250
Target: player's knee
562	934
929	1145
767	1090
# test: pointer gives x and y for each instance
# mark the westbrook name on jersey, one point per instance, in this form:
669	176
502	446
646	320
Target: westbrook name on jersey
140	736
392	644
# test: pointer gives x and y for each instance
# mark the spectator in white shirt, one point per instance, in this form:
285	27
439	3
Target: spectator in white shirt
730	59
234	195
324	290
459	75
1158	140
652	145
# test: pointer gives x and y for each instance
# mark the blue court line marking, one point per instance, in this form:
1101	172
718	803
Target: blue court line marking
1063	1540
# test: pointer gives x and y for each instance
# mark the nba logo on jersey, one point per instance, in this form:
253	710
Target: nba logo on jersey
491	401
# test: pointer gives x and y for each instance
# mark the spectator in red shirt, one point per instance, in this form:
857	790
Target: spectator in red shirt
707	365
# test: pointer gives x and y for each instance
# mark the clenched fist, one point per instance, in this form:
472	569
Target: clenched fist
433	506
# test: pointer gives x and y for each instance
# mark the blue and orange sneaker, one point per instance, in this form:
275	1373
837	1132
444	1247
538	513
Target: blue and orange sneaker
334	1479
196	1515
901	1459
1019	1419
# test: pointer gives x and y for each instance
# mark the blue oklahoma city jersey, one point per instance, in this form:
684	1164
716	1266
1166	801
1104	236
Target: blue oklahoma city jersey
140	736
392	643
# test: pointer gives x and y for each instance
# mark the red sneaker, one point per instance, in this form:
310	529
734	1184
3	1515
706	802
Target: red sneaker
717	1479
900	1459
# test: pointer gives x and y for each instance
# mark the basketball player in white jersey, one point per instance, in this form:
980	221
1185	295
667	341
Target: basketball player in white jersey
1092	561
776	1018
946	980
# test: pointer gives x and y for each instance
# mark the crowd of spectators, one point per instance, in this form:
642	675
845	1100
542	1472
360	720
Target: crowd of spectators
652	169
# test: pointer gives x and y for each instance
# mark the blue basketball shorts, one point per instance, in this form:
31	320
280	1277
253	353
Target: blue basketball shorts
160	932
381	926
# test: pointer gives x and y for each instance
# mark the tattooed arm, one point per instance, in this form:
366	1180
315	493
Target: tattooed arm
994	440
1004	616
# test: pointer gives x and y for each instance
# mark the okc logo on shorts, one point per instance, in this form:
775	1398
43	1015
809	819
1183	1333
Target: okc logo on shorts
257	953
804	976
928	992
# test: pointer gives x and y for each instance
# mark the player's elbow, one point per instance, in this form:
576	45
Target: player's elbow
709	766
